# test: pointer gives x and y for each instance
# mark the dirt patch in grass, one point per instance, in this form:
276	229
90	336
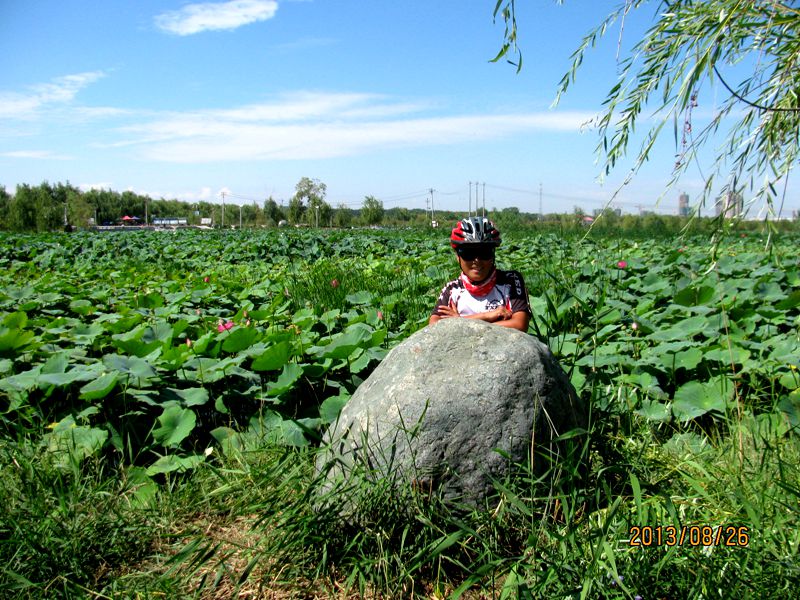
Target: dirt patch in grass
215	557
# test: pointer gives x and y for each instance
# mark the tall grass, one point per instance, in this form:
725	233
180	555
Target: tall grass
250	523
65	528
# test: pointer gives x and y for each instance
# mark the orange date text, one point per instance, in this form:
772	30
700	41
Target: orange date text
646	536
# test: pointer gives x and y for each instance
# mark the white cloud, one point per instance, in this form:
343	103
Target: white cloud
195	18
59	91
35	155
310	125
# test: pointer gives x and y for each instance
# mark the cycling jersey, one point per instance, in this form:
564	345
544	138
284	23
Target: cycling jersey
509	291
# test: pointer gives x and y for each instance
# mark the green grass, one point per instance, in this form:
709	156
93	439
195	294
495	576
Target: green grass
250	522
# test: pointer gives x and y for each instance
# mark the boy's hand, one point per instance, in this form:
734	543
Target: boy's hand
448	311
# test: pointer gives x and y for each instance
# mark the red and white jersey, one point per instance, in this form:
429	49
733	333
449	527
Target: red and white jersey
509	291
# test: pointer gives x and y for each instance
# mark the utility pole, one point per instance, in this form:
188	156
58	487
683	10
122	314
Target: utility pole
240	216
316	216
223	210
432	219
541	216
484	201
469	212
145	212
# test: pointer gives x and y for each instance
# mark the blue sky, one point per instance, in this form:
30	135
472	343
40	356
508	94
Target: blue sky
185	100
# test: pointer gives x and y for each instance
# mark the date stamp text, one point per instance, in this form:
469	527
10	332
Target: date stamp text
647	536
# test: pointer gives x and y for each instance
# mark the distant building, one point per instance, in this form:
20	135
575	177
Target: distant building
796	215
683	205
729	206
170	222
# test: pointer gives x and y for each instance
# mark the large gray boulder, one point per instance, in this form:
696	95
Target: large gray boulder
442	409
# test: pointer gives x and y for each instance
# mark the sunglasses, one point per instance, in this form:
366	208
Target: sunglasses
473	253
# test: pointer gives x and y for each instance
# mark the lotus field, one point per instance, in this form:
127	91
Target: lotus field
153	384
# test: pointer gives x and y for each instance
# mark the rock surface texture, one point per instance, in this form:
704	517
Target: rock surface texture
434	413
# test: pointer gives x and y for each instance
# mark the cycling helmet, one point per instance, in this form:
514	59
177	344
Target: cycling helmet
475	230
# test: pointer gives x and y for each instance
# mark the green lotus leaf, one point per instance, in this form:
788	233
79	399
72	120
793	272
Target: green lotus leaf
100	387
176	425
695	399
15	320
791	301
139	371
331	407
686	359
652	410
12	339
273	358
239	339
360	298
343	344
171	463
289	375
196	396
694	295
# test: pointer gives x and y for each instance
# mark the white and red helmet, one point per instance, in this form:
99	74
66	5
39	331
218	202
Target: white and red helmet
475	230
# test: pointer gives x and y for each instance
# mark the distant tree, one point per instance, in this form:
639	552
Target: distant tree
105	205
39	208
5	201
79	210
296	210
372	211
259	216
274	214
250	214
309	200
344	216
508	218
21	215
325	215
402	215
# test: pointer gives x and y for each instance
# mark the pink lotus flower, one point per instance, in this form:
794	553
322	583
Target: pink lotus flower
188	343
380	316
224	325
334	283
622	264
206	279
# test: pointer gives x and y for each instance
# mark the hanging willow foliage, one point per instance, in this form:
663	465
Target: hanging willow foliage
690	47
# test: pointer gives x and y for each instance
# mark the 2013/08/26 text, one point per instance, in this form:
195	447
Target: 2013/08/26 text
690	535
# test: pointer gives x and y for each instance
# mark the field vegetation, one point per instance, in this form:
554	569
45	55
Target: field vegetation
162	396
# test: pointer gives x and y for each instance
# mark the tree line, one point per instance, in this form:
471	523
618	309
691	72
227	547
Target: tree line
50	207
